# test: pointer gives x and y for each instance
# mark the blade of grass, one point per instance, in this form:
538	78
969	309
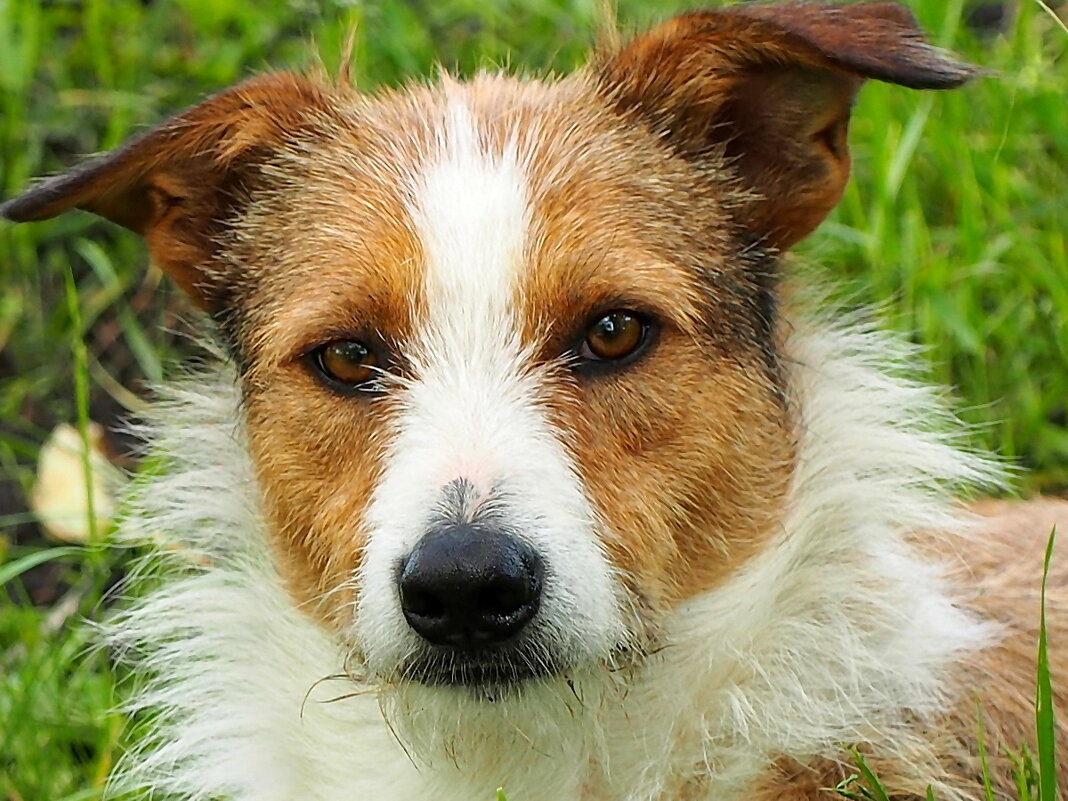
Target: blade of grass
1044	717
1023	774
17	567
1053	15
81	397
875	787
984	767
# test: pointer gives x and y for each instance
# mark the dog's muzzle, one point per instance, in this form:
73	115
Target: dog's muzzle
470	590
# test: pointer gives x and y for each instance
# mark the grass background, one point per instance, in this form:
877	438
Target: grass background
954	223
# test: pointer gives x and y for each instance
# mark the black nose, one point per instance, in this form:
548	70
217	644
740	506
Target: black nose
468	587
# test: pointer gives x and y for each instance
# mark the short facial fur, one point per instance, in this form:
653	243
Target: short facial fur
472	253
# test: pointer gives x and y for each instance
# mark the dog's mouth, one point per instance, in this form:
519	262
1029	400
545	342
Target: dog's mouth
497	669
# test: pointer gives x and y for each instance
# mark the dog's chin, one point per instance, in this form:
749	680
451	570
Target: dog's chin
489	714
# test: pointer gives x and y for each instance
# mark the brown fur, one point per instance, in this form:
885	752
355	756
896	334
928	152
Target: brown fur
598	213
178	183
772	87
669	155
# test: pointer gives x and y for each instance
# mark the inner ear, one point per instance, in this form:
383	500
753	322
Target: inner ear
784	133
187	211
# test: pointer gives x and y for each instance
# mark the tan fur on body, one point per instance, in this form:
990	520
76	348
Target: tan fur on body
1000	562
1001	565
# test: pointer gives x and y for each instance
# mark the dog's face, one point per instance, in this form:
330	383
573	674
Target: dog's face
508	349
522	392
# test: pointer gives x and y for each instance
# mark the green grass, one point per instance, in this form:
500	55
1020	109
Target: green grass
1045	723
953	217
953	222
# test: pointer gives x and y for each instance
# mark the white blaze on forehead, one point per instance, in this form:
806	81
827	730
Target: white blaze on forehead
472	216
472	409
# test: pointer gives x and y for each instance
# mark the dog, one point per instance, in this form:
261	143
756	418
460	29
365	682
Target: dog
527	468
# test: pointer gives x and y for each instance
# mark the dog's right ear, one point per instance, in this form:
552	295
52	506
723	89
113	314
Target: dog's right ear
178	184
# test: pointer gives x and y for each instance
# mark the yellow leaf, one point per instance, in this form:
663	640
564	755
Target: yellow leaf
59	496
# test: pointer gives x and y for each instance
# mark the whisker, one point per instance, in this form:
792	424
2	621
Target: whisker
316	683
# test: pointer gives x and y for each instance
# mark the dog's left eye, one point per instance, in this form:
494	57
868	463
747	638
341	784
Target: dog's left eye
346	362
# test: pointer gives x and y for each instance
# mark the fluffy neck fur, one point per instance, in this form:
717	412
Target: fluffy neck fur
839	633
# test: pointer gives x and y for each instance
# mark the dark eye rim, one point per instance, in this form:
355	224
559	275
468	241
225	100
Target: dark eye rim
313	361
589	362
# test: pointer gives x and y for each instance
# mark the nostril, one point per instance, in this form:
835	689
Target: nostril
506	596
424	604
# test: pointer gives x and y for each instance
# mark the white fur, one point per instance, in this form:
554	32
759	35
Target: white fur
473	412
838	633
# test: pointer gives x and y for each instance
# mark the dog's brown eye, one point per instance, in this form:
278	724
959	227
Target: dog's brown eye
614	336
347	362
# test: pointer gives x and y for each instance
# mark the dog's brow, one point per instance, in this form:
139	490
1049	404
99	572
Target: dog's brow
471	215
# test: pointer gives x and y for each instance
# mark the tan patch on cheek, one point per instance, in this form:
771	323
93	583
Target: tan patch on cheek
318	459
687	462
318	452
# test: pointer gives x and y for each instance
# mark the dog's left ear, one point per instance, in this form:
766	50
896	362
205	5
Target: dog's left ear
770	88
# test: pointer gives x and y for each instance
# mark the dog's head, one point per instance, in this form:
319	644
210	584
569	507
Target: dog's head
508	349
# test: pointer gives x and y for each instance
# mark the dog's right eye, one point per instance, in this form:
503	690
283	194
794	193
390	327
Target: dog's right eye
347	363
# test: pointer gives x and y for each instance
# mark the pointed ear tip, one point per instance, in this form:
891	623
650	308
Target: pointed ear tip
41	201
19	209
920	65
953	74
